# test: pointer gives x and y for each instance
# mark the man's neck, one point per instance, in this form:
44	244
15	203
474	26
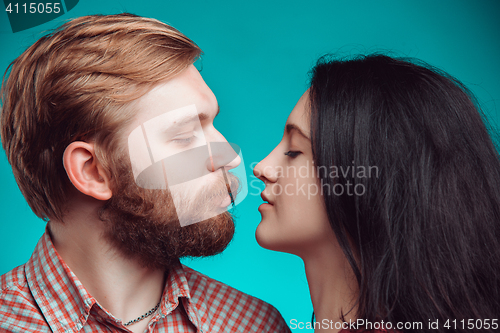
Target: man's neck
120	284
332	285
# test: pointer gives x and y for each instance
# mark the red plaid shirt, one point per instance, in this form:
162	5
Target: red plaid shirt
44	295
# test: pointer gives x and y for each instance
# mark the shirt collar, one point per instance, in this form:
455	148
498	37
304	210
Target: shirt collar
63	300
66	304
177	288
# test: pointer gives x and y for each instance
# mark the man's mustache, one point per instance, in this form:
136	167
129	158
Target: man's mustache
186	166
226	184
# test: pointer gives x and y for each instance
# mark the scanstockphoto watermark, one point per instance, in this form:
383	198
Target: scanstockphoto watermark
354	325
353	174
363	324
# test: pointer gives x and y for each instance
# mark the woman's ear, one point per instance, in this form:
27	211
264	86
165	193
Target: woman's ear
84	171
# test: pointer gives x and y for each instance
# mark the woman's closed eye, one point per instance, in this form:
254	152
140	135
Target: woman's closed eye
293	153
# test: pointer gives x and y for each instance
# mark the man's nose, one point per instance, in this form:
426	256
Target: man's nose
223	155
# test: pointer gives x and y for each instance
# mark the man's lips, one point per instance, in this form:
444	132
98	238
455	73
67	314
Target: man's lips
226	201
228	195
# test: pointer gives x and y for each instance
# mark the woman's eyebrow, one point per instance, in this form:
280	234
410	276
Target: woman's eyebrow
292	127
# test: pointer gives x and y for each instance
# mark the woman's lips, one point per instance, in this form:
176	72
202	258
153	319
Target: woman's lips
265	206
268	204
265	198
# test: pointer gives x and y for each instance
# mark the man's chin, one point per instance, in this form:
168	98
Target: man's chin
213	235
205	218
144	225
161	245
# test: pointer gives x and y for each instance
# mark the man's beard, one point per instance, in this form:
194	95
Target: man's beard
143	223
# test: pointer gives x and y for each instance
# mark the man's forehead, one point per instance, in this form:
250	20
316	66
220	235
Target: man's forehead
175	94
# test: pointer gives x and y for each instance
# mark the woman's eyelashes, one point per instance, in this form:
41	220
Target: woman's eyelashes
293	153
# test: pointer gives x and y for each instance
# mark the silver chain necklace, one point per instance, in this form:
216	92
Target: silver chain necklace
147	314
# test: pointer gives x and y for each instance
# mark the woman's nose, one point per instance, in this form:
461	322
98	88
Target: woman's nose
265	170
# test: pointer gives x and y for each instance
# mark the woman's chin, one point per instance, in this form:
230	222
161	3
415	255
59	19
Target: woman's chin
264	235
271	239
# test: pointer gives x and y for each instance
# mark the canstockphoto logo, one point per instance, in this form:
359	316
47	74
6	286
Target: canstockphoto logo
24	15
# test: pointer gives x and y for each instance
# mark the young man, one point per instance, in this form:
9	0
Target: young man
78	105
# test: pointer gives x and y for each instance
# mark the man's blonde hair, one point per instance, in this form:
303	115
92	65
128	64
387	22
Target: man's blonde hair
73	85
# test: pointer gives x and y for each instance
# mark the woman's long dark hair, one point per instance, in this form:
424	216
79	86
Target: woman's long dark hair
423	236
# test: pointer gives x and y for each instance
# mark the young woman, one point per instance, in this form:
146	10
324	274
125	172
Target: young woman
397	218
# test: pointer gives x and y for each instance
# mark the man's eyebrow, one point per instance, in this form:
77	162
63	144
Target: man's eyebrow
293	127
189	119
203	116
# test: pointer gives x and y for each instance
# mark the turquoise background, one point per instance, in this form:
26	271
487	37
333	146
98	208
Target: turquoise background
257	55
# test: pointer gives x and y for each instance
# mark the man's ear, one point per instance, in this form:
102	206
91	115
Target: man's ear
84	171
